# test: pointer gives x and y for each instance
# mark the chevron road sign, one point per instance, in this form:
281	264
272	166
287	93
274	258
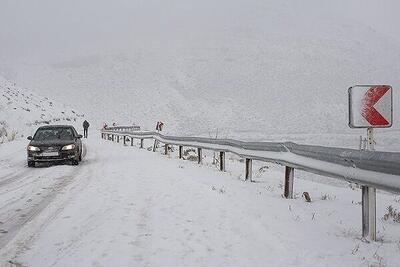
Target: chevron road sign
370	106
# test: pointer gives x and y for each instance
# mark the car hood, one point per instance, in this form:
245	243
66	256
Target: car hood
52	142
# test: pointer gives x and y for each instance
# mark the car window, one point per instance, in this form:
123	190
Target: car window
54	134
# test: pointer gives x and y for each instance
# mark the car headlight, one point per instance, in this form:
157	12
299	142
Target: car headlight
68	147
33	148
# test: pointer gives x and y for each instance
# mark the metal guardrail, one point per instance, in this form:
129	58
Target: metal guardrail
123	128
370	169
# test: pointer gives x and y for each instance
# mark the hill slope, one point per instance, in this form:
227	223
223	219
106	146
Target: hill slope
22	111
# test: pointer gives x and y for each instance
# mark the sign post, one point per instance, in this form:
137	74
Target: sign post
370	106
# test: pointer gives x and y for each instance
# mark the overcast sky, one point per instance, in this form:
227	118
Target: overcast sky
50	30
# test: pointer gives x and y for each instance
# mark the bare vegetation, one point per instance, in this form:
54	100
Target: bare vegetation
190	154
327	197
392	215
6	135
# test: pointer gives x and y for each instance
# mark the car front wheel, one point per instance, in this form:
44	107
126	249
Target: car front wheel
31	164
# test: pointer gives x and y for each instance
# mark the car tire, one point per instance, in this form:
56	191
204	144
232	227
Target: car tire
31	164
75	162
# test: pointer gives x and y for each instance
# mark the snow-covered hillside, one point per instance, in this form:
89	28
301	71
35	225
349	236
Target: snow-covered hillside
269	67
22	111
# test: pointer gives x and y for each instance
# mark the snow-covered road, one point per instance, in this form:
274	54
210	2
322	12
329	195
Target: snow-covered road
128	207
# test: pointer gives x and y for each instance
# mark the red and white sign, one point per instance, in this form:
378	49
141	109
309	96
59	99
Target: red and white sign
370	106
159	126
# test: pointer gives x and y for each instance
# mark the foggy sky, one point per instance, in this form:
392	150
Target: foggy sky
43	31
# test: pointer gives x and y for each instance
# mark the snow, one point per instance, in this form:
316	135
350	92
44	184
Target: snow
124	206
22	111
251	70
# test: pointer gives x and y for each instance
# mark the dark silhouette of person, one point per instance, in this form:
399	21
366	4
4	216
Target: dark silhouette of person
85	128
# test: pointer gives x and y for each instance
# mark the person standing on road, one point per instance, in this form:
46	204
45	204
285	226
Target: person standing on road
85	128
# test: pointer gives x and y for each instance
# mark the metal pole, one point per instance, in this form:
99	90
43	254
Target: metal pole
289	178
249	170
117	138
369	212
132	141
113	137
368	197
141	143
371	141
222	161
124	140
166	149
155	145
199	155
180	152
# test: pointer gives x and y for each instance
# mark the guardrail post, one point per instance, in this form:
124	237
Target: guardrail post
180	152
222	161
132	141
154	145
249	170
117	138
369	212
166	149
199	155
113	137
141	143
289	177
124	140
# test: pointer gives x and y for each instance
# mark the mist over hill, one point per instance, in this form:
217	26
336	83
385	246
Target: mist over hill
271	67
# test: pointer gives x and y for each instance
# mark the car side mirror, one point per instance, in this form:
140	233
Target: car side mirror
80	136
29	138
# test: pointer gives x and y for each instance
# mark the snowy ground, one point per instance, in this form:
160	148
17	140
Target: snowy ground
22	111
129	207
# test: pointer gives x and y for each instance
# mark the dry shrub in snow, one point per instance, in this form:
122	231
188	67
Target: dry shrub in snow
261	170
190	154
5	135
392	214
327	197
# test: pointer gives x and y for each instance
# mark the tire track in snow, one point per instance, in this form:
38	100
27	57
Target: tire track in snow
15	177
10	225
30	233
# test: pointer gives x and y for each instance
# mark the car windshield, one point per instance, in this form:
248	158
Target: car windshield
54	134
